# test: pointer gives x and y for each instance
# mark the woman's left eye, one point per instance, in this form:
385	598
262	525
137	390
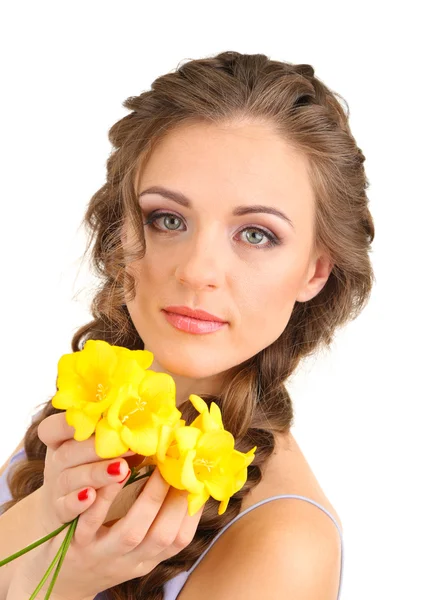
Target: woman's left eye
273	240
153	217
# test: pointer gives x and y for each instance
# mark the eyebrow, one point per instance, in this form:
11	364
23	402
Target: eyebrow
238	210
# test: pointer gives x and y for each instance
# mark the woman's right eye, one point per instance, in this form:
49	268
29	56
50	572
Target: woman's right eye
151	220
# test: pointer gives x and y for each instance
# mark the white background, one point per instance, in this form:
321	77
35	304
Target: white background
67	68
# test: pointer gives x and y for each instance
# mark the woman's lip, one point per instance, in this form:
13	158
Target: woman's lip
199	314
191	325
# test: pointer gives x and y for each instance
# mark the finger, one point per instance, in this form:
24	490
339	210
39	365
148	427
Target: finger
54	430
92	519
72	453
70	506
184	536
96	475
131	530
58	436
164	529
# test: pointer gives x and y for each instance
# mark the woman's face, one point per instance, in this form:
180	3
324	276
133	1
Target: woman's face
247	266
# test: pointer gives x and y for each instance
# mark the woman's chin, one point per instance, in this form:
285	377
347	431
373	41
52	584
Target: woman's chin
183	363
190	369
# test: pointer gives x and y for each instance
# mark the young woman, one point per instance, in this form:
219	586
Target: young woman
232	239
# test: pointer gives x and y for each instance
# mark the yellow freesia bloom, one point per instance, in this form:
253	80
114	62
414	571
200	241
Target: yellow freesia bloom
143	357
108	390
87	378
209	419
136	416
201	460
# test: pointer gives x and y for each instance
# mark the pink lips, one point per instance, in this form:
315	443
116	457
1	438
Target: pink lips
194	313
193	321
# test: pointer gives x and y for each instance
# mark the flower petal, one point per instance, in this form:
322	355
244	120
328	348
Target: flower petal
240	479
187	438
198	422
209	423
234	461
215	413
166	412
66	369
154	383
223	506
143	357
251	454
99	407
188	476
97	360
220	485
127	371
198	403
142	441
173	450
84	424
215	443
170	469
67	398
114	409
196	501
108	442
166	435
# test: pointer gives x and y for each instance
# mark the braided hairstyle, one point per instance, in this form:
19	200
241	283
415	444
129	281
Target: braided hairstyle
255	403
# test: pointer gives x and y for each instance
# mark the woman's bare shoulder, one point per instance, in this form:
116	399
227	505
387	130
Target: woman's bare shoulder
287	472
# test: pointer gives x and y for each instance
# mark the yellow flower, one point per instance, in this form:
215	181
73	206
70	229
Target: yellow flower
134	419
209	419
143	357
202	459
87	378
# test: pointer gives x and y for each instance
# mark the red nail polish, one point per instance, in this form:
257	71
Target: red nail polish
129	471
114	468
83	495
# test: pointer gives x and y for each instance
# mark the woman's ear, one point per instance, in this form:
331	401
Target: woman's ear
317	275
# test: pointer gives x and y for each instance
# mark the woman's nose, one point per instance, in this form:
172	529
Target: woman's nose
201	266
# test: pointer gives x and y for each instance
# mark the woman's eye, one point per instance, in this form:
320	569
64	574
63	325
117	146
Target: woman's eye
258	236
169	218
254	235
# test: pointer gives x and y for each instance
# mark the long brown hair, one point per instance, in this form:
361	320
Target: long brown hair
255	403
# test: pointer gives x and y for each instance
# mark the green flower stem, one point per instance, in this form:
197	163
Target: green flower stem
54	561
34	544
137	479
64	549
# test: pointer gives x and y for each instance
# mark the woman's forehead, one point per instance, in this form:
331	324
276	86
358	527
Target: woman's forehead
236	166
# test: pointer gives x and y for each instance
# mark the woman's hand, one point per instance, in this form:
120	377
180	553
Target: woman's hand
156	527
70	468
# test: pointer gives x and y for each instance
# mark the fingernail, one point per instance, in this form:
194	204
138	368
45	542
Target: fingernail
129	471
114	468
83	495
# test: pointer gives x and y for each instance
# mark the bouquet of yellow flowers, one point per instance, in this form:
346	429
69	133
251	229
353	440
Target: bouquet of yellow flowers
110	392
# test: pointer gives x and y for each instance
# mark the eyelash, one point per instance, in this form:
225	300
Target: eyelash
273	240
